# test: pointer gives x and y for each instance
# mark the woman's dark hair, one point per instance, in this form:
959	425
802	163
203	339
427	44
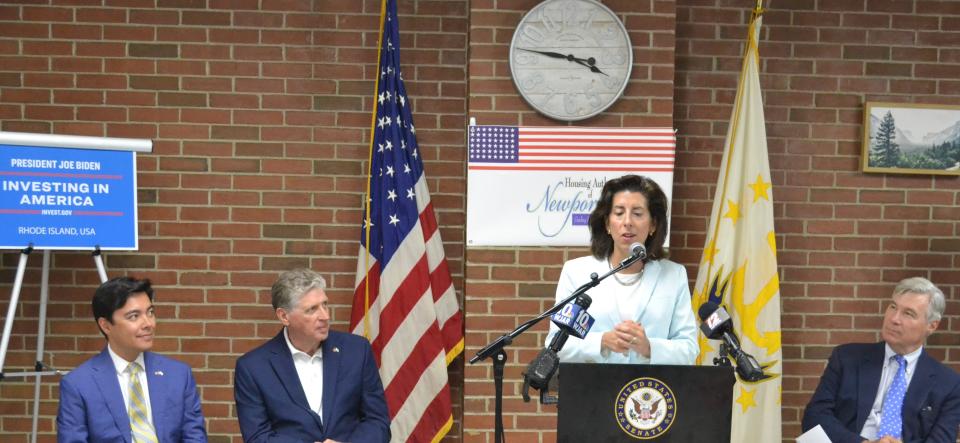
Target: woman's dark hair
601	244
113	294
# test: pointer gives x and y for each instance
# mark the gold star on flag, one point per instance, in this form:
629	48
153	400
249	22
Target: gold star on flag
710	251
733	211
760	189
746	399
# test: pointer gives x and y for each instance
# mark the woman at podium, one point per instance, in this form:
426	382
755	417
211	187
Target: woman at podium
642	313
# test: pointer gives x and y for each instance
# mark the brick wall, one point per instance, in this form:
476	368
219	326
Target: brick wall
260	116
844	237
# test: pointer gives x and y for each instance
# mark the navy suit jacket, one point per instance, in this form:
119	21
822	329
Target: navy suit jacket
272	406
92	408
848	388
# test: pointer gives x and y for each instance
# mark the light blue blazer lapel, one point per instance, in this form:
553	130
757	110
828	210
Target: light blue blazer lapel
638	303
331	370
159	392
105	376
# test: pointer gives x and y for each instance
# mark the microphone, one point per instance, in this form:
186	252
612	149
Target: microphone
714	321
716	324
637	252
572	319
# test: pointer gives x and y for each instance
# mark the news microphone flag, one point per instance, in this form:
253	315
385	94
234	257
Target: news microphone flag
738	268
714	320
404	301
574	319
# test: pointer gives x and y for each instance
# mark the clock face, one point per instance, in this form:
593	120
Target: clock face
570	59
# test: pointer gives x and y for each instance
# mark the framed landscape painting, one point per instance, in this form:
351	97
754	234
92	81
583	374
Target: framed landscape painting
910	138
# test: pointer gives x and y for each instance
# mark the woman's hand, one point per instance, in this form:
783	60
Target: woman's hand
626	336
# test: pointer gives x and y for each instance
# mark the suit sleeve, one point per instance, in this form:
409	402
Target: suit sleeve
193	429
251	410
374	424
945	427
71	416
822	409
680	347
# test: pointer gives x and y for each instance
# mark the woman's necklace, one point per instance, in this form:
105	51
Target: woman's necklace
627	281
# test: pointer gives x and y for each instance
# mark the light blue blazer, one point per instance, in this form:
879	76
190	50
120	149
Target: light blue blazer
661	303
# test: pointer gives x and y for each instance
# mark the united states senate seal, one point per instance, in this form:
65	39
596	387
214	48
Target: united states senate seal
645	408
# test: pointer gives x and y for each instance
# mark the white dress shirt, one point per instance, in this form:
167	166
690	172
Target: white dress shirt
890	367
123	376
310	372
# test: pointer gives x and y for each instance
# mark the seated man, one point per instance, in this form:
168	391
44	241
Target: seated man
891	391
126	393
309	384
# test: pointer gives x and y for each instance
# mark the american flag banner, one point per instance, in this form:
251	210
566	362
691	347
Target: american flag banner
404	301
571	149
531	186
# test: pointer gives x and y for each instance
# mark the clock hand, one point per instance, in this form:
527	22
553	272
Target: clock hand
546	53
590	63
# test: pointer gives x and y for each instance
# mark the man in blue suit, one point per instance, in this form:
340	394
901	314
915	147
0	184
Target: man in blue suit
892	391
309	384
125	393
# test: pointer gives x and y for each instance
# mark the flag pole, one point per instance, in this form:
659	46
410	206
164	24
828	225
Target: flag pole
366	195
757	12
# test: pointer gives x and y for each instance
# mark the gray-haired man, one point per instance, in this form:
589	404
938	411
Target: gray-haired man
891	391
309	383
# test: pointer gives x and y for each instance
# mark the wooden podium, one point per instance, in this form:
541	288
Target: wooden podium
607	402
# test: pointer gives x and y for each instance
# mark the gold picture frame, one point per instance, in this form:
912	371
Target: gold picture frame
911	138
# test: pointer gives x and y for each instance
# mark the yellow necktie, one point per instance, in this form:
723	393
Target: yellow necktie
143	431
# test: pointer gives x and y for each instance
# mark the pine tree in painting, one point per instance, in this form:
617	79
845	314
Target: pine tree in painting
886	151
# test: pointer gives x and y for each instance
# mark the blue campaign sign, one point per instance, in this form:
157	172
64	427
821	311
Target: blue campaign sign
67	198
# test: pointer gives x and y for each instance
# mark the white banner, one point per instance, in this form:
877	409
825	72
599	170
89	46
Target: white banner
529	186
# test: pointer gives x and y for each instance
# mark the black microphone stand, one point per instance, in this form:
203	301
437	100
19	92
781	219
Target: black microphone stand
721	358
747	367
495	348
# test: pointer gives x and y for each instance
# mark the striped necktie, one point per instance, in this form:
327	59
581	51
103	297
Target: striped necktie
891	419
140	426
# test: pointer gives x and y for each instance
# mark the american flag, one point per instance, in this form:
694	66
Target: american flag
571	149
404	301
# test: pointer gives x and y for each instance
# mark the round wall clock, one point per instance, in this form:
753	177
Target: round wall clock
570	59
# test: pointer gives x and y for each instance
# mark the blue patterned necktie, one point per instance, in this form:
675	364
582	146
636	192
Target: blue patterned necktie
891	420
